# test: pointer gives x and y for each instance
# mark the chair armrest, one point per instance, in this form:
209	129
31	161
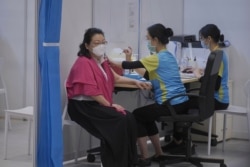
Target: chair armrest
193	89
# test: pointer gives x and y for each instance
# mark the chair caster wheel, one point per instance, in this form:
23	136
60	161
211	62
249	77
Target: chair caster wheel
223	165
162	165
214	142
167	138
91	158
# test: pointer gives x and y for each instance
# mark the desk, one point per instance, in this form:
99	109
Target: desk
131	97
132	87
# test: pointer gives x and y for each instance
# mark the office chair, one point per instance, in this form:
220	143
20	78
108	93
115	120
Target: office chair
232	110
201	112
65	121
26	112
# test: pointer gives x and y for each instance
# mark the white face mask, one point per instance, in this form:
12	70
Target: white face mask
206	46
99	50
151	48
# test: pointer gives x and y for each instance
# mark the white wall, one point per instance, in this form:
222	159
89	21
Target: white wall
123	23
119	21
168	12
76	18
232	17
17	50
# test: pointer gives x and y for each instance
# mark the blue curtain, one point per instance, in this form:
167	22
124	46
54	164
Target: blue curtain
49	136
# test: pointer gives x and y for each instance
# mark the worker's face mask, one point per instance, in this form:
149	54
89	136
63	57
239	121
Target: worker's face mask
151	48
204	45
99	50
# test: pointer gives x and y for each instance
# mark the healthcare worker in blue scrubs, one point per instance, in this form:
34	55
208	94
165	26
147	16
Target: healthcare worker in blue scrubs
210	37
161	69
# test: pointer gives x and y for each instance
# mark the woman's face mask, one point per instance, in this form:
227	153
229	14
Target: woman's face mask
152	49
99	50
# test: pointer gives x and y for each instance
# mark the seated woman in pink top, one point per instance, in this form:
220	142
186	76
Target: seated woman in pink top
90	86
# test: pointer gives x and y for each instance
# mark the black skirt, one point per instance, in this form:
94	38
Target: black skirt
116	131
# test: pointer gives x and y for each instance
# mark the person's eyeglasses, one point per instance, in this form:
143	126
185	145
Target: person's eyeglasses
98	43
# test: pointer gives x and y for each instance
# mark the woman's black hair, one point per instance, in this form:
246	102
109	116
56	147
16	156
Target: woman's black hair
159	31
89	33
213	31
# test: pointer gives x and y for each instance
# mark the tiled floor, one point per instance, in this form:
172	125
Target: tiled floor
237	152
17	152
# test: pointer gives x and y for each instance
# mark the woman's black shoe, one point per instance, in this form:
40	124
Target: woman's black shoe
170	146
143	162
158	158
182	150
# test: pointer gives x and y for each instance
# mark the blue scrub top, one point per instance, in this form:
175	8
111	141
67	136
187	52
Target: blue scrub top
164	75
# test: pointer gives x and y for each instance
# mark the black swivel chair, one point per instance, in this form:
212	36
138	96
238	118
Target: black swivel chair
201	112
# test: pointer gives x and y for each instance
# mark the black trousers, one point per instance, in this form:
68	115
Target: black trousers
147	115
116	131
220	106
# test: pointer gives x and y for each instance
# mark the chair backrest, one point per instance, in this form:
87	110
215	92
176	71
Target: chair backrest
206	93
4	104
247	93
65	120
2	82
65	104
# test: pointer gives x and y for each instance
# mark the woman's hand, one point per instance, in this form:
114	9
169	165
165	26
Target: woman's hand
198	72
128	53
143	85
119	108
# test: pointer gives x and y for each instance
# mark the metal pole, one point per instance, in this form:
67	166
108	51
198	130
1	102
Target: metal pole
139	30
25	53
36	87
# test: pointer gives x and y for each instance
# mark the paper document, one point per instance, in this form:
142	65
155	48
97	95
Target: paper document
187	75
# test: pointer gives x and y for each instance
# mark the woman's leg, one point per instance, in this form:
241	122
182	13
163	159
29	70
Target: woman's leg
131	138
146	117
155	139
143	147
178	135
118	146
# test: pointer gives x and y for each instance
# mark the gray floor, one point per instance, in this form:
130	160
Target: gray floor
237	152
17	150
